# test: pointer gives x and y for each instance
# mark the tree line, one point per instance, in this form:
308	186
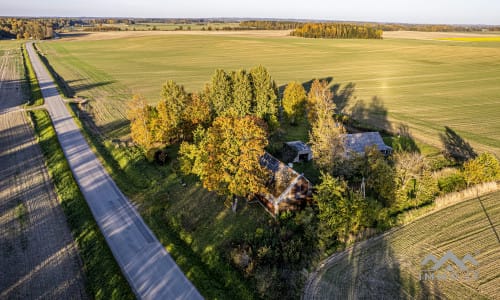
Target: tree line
337	31
21	28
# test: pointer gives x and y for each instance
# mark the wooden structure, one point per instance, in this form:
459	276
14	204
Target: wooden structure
286	189
357	143
296	151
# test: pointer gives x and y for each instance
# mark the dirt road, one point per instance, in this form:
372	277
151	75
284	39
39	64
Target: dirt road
38	255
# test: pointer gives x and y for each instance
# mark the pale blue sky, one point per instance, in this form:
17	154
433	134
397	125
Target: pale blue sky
414	11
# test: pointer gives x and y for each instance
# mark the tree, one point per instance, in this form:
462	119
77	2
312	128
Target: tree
221	92
294	101
483	168
197	113
170	113
141	116
380	176
340	211
242	93
326	134
318	93
226	156
265	96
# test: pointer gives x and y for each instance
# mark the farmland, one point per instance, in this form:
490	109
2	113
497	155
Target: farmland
427	84
390	265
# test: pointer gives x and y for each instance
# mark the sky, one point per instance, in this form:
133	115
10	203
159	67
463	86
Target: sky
404	11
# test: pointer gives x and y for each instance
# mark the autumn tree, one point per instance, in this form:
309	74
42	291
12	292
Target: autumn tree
197	113
483	168
141	116
242	93
294	101
170	113
226	156
326	134
380	176
265	96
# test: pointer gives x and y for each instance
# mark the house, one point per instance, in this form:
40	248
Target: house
286	189
296	151
357	143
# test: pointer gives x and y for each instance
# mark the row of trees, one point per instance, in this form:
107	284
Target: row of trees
26	28
337	31
268	25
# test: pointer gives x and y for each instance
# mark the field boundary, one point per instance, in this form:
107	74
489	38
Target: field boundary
36	98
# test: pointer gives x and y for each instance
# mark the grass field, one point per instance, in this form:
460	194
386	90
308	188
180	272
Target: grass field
389	267
425	83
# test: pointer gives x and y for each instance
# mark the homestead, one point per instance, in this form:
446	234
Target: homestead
286	189
296	151
357	143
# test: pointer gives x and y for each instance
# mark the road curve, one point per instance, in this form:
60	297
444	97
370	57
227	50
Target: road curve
149	269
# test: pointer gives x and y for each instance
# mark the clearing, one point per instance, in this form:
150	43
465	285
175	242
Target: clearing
389	266
39	258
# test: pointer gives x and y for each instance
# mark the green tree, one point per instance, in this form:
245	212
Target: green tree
170	113
294	101
226	156
221	92
341	211
242	93
380	176
197	113
483	168
265	96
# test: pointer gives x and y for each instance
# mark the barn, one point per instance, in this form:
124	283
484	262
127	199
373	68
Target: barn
357	143
296	151
286	189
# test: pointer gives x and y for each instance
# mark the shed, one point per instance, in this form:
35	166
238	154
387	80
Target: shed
296	151
286	189
357	143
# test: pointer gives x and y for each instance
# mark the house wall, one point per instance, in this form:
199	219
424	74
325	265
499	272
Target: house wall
297	197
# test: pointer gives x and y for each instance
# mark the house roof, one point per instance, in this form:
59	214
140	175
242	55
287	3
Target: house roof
282	175
357	142
300	146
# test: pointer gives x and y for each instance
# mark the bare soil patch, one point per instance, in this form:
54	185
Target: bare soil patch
38	256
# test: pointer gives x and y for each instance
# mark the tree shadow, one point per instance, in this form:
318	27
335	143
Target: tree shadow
342	97
455	147
371	116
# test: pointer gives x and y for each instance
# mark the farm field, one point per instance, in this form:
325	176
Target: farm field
38	258
390	266
427	84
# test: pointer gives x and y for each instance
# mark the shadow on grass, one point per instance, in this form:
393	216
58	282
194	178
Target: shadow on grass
455	147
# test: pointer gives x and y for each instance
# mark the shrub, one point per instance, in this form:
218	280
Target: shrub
452	183
483	168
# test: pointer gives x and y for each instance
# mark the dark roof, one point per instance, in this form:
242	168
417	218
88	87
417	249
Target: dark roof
299	146
357	142
282	175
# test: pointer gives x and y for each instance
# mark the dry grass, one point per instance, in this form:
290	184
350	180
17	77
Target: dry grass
418	35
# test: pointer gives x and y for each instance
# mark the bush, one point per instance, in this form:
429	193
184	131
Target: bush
452	183
483	168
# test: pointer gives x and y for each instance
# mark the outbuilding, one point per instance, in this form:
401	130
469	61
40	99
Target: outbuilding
357	143
296	151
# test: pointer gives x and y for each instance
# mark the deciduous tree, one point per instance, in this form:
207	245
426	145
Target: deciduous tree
141	116
265	96
483	168
170	113
242	93
294	102
221	92
226	156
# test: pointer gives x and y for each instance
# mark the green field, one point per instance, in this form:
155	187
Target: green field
389	267
426	84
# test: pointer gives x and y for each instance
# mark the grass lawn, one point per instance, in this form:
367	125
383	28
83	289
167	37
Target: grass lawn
427	84
390	267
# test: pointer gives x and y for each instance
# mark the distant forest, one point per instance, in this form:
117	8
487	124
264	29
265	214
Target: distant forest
44	28
337	31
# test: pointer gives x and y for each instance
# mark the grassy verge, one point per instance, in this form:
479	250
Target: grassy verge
103	276
36	98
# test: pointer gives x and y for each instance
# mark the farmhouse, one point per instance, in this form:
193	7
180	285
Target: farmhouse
357	143
286	189
296	151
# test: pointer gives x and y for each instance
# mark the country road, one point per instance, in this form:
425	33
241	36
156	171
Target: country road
149	269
